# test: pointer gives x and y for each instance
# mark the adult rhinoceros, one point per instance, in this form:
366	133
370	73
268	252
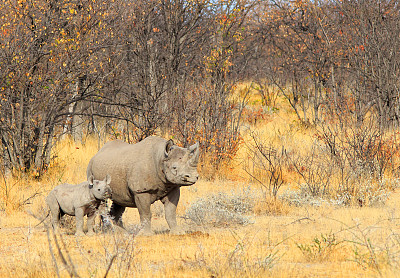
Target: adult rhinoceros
153	169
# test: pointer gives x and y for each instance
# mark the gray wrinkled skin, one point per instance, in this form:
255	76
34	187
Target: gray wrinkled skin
78	200
153	169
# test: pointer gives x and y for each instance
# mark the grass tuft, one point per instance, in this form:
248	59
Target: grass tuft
223	209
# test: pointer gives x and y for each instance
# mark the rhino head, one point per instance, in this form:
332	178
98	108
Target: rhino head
180	164
100	189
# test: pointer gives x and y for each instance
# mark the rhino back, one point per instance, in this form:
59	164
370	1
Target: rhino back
133	167
71	196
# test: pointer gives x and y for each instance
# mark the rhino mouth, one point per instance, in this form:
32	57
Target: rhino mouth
189	181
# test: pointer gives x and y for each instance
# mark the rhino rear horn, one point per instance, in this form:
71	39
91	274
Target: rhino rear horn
168	147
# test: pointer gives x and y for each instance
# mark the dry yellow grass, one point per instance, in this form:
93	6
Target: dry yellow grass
266	248
280	243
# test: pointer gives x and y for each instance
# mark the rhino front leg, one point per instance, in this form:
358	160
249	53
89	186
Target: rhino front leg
170	203
79	221
143	202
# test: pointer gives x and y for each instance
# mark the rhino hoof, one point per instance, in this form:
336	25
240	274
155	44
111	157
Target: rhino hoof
91	233
177	231
79	233
145	233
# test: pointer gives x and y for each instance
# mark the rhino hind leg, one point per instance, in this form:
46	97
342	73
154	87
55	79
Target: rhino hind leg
116	212
55	210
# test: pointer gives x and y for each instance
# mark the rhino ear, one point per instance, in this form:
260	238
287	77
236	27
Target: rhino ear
90	180
168	147
107	179
195	150
194	147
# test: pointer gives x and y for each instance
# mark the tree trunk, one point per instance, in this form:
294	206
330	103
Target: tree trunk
49	146
40	146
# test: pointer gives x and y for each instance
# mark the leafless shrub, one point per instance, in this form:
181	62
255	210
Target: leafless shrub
315	171
269	94
365	193
370	252
356	149
361	155
349	162
119	251
265	165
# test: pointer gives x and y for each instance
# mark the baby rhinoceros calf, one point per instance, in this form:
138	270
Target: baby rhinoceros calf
78	200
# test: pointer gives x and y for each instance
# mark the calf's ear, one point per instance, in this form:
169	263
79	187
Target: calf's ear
90	180
107	179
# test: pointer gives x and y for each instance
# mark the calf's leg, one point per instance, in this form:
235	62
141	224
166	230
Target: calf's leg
79	213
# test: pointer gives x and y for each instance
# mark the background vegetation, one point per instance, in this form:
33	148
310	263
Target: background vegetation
295	105
132	69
